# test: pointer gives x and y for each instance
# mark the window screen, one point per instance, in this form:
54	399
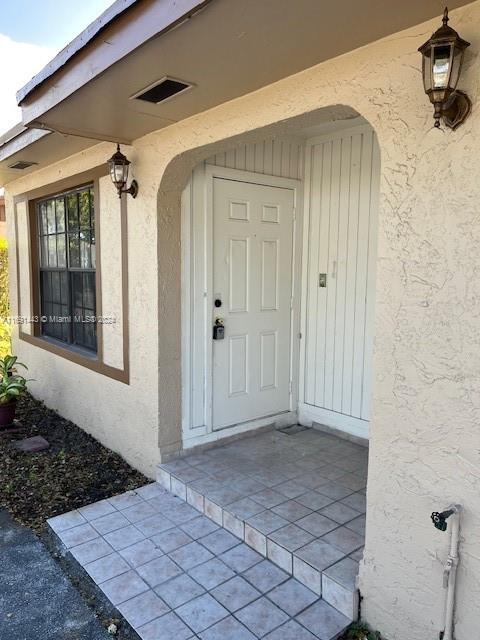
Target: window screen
66	228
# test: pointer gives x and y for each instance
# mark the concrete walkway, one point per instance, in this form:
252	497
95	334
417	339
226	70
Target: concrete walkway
36	598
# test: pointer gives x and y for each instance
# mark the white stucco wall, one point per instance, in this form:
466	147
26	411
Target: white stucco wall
425	440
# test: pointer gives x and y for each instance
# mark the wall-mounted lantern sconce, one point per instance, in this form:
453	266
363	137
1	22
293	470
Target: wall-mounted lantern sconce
442	64
118	166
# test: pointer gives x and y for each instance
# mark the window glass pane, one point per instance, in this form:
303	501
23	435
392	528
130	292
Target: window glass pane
73	250
92	210
89	292
44	251
50	216
84	208
85	262
42	218
52	251
72	212
60	214
61	251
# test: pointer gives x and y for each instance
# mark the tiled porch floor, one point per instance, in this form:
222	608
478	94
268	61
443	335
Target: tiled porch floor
297	499
175	574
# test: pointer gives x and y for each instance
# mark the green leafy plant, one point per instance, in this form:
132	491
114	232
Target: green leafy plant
360	631
12	385
5	326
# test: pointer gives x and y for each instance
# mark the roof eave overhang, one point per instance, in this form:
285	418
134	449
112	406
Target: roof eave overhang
117	32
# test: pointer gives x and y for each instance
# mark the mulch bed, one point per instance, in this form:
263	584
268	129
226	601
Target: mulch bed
75	471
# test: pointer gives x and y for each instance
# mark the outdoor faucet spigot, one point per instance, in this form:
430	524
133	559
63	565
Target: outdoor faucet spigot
440	519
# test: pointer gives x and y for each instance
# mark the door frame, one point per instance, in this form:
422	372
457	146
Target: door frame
310	414
205	433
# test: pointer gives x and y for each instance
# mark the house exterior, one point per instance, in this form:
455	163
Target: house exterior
2	217
296	194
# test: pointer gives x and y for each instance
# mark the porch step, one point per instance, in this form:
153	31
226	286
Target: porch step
317	537
171	571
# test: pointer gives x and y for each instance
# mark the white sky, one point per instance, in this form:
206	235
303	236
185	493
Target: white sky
19	61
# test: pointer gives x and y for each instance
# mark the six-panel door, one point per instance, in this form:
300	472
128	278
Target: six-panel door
252	277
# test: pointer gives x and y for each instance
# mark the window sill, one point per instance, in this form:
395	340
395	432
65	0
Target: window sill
76	355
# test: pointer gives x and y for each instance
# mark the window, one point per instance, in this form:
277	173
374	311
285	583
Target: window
66	234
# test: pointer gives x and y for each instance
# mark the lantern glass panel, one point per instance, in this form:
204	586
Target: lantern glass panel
441	67
427	71
456	66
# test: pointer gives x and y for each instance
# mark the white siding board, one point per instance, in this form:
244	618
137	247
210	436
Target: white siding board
342	195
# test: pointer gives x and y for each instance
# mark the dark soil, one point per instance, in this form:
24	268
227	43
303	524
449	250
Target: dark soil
75	471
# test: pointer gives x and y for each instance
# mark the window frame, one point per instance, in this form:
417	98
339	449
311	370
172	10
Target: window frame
93	363
69	337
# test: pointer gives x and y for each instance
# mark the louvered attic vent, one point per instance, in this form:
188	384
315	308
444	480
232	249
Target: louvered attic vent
21	164
162	90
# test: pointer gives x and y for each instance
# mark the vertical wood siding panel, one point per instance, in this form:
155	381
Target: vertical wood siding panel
311	358
322	267
361	270
341	272
268	157
331	272
250	157
351	275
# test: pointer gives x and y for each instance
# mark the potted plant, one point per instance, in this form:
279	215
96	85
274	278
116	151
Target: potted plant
12	386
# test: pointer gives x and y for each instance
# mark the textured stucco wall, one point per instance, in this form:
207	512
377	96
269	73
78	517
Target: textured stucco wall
124	417
425	440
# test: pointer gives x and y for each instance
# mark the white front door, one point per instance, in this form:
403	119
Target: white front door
252	280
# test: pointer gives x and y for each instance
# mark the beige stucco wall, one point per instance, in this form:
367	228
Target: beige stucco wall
124	417
425	440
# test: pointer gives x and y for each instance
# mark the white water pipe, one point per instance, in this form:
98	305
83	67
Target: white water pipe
450	571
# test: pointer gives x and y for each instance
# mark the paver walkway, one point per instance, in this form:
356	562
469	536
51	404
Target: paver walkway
36	599
174	574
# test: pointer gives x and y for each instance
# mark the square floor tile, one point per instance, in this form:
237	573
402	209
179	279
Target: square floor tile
323	621
140	553
143	608
319	554
211	573
77	535
201	613
181	513
357	501
66	521
268	498
291	537
316	524
179	590
265	575
90	551
291	489
227	629
261	616
241	558
292	597
314	500
125	500
139	512
219	541
352	481
267	521
107	567
344	572
357	525
149	491
245	508
125	537
123	587
190	555
171	539
159	570
199	527
110	522
339	512
235	593
290	631
334	490
97	509
167	627
344	539
292	510
154	524
357	555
